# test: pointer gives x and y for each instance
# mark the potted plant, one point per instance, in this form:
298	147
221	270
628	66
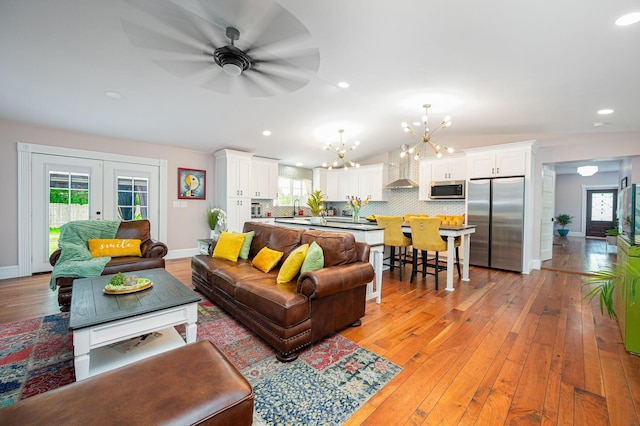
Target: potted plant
216	219
563	220
315	201
612	233
606	280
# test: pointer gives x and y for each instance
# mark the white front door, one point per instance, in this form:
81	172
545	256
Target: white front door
63	189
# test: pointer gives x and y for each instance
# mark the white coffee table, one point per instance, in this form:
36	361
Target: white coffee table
98	320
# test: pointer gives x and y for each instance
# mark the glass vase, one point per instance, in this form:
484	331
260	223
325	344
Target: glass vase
355	215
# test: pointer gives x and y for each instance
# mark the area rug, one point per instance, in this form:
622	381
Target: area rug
326	384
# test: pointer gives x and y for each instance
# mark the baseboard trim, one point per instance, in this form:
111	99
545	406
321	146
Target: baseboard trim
178	254
9	272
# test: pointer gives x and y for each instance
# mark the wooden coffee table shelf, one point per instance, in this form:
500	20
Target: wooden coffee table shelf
98	320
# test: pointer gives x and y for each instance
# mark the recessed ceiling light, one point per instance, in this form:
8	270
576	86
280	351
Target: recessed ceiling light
299	164
598	124
628	19
267	132
343	84
112	94
605	111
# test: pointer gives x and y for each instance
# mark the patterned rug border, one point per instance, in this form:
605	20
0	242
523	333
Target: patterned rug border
328	382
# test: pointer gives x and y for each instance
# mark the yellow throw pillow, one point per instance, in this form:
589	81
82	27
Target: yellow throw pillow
228	246
291	266
266	259
114	248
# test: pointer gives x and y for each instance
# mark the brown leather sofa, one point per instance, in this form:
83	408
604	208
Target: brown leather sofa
293	315
152	251
193	384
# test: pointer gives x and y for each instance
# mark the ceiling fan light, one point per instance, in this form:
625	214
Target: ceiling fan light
232	69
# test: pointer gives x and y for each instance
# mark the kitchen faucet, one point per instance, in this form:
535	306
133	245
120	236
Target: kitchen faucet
296	206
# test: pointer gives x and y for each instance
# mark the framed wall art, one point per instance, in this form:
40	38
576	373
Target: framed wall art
192	184
623	183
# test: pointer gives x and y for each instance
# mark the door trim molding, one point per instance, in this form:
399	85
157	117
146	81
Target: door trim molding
26	150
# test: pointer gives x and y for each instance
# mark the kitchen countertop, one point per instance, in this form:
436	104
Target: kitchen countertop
333	222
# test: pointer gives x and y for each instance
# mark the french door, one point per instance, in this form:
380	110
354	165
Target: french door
63	189
68	188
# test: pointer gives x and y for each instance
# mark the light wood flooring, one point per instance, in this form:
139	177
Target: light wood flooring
503	348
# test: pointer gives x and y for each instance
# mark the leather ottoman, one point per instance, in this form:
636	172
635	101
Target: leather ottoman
194	384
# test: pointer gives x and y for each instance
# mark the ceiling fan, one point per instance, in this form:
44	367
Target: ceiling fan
201	40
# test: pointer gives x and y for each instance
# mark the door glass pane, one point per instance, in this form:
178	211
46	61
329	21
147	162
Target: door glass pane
602	207
133	198
68	200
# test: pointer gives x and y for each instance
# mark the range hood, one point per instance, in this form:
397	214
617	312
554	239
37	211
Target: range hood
403	182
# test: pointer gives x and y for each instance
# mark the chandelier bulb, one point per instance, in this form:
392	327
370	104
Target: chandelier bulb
450	150
402	154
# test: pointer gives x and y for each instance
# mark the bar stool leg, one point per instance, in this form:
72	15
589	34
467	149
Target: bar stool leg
392	259
458	261
437	270
414	265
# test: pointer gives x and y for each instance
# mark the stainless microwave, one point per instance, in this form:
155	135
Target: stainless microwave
449	190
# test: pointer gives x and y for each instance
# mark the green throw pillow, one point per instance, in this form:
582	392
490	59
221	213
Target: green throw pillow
314	259
246	246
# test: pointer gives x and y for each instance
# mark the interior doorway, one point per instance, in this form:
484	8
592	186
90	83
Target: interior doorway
601	211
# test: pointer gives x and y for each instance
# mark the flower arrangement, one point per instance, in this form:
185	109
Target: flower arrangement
216	218
355	204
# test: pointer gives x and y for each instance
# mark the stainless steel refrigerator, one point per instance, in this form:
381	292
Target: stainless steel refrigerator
496	207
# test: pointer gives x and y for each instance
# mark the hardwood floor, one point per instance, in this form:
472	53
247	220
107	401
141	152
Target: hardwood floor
503	348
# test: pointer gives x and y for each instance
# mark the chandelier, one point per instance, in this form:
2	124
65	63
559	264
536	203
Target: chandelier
425	139
341	151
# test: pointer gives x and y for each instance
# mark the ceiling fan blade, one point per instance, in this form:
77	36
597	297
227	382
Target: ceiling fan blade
151	39
305	59
179	20
187	68
262	85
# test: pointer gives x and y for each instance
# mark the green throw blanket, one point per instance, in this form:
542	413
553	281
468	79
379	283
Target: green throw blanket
75	259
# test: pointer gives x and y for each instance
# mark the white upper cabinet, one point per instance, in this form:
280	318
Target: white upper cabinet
500	163
347	184
233	172
333	185
448	169
264	178
364	182
424	180
371	182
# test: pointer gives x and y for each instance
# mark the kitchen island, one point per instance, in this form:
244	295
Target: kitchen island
374	235
364	231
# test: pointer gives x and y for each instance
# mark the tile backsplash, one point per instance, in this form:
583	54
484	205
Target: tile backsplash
400	201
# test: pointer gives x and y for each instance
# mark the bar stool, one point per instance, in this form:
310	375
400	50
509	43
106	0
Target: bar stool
454	221
425	236
393	237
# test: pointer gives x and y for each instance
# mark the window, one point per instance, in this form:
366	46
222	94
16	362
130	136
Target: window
68	197
290	190
133	198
